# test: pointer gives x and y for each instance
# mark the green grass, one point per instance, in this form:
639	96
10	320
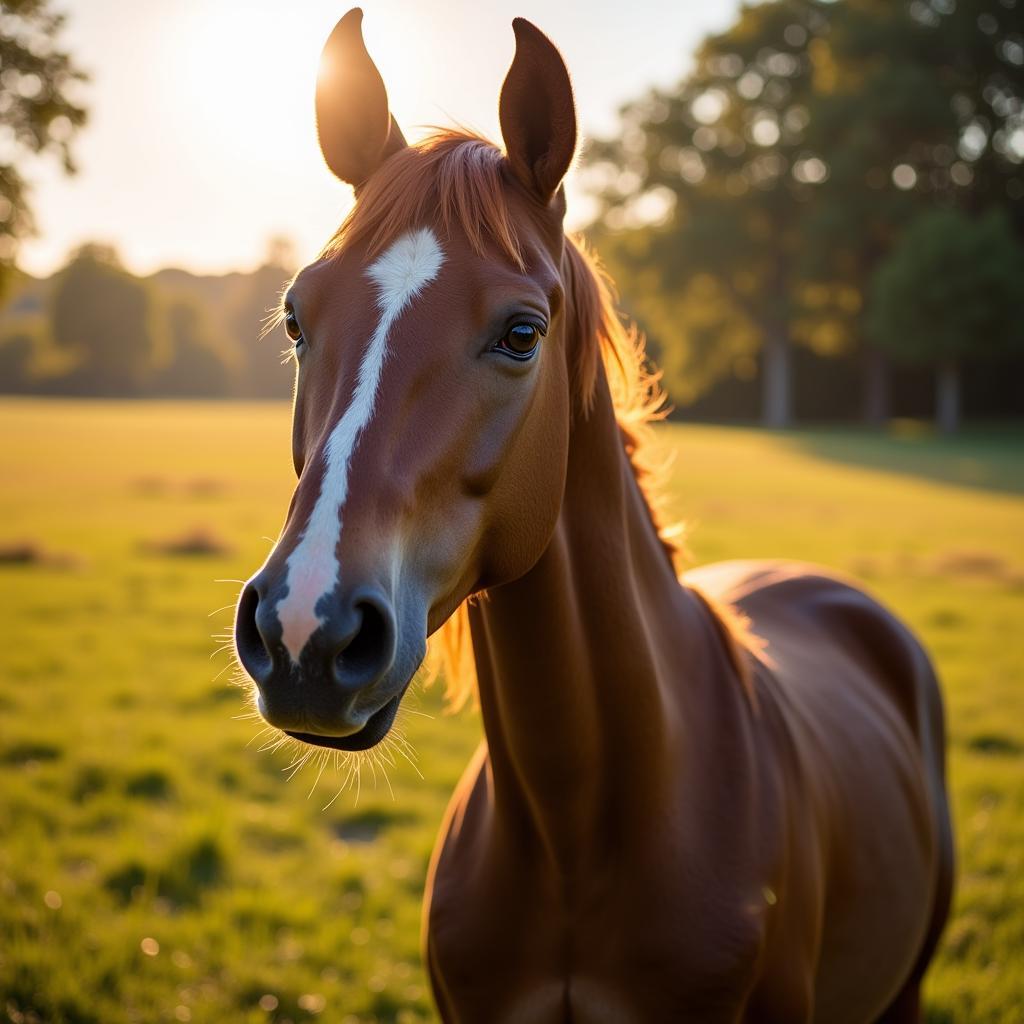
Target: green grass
153	867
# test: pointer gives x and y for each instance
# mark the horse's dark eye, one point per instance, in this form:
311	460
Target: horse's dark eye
291	326
521	341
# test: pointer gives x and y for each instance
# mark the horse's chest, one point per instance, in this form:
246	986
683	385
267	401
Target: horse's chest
495	943
510	943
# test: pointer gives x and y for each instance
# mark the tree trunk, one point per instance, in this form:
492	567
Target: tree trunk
775	381
947	397
876	388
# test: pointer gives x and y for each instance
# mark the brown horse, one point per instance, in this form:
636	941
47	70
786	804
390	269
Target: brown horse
670	820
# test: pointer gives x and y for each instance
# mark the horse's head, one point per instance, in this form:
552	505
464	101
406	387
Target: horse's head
433	400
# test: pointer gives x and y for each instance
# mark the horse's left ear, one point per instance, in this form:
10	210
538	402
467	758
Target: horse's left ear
537	112
357	132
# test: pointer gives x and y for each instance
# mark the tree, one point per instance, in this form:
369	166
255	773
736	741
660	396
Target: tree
724	161
106	319
195	368
915	106
949	292
787	165
17	348
37	107
264	375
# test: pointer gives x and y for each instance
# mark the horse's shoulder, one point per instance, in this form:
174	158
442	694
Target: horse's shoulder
814	620
741	581
780	594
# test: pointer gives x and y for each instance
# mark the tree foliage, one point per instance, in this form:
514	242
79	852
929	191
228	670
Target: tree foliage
721	163
950	290
789	161
266	374
38	110
106	320
17	348
919	105
195	367
96	329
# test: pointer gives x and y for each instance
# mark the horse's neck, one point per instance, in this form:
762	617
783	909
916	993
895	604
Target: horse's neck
576	658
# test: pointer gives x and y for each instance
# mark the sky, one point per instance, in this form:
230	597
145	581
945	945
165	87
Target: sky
201	142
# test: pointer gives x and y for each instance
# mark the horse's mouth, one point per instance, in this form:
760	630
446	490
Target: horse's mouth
376	728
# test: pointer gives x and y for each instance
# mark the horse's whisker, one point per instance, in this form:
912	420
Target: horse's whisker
298	763
224	669
274	743
322	760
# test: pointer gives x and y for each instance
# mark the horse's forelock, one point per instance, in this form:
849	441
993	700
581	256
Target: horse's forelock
454	176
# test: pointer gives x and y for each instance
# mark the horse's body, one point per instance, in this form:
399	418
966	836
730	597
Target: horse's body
673	818
643	838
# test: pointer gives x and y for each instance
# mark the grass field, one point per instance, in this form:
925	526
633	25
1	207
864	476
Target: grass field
155	867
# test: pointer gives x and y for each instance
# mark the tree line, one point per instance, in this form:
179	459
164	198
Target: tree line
831	181
95	329
824	218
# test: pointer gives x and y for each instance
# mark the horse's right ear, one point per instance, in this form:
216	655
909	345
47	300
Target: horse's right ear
356	131
537	112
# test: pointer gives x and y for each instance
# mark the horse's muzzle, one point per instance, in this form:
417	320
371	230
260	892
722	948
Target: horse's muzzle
341	693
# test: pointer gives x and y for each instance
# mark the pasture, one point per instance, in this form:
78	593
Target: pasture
157	865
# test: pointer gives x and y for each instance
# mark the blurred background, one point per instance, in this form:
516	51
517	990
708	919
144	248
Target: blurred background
815	212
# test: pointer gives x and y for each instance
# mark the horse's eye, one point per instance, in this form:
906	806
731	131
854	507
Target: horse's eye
291	326
520	341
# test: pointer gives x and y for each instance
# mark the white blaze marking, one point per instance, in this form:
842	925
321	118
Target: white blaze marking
400	274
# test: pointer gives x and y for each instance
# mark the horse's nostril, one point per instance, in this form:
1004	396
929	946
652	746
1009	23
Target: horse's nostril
370	650
252	651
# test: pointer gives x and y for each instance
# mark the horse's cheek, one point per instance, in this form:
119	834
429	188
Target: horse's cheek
529	496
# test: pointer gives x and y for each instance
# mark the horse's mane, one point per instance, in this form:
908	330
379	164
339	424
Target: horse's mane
458	178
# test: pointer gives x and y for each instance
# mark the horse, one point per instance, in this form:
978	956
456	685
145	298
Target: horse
714	797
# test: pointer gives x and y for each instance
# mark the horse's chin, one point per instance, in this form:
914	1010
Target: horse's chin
378	725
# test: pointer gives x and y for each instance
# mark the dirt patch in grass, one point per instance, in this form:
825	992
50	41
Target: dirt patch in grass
204	487
150	486
974	562
195	487
866	567
198	542
31	553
